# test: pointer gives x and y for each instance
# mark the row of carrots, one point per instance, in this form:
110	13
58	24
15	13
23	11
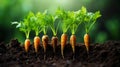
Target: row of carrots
67	19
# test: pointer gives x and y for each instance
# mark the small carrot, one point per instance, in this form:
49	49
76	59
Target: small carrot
37	28
45	42
26	27
27	45
36	43
63	43
89	20
65	21
73	42
54	42
87	41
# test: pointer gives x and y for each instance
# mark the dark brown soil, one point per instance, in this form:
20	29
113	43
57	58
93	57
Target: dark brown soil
100	55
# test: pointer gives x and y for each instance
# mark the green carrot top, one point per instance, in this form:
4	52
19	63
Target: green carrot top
26	25
90	19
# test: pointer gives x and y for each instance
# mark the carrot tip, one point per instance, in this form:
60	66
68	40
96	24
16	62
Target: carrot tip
87	49
62	54
36	50
54	50
44	56
73	49
62	49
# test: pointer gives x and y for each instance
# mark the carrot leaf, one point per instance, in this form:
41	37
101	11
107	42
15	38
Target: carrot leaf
64	19
26	24
90	19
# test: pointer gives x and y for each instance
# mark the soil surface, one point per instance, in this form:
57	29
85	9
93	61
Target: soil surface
100	55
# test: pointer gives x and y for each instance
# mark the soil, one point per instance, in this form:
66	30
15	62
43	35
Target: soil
100	55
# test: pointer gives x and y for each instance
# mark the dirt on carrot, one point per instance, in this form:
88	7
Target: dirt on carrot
45	42
54	42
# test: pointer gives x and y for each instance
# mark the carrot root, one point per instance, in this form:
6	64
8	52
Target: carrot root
63	43
73	42
36	43
54	42
87	41
62	51
27	45
45	42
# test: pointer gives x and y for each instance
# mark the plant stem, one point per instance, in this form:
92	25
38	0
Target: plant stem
27	34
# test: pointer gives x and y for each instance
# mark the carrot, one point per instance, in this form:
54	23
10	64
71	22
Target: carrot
45	42
89	20
54	42
73	42
87	41
36	43
63	43
27	45
26	27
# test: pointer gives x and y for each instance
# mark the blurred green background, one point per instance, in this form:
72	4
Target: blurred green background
106	28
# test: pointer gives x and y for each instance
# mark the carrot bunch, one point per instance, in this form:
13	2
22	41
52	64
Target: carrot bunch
67	19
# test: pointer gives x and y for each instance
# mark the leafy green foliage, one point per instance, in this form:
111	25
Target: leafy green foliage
90	18
64	19
36	25
46	19
76	19
52	24
26	25
68	19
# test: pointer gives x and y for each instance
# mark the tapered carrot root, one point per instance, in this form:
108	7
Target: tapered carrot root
63	43
45	42
54	42
27	45
73	42
36	43
87	41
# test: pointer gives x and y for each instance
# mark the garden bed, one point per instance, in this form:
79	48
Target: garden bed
100	55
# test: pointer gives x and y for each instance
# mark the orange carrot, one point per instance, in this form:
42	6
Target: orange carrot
87	41
73	42
63	43
27	45
45	42
54	42
36	43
